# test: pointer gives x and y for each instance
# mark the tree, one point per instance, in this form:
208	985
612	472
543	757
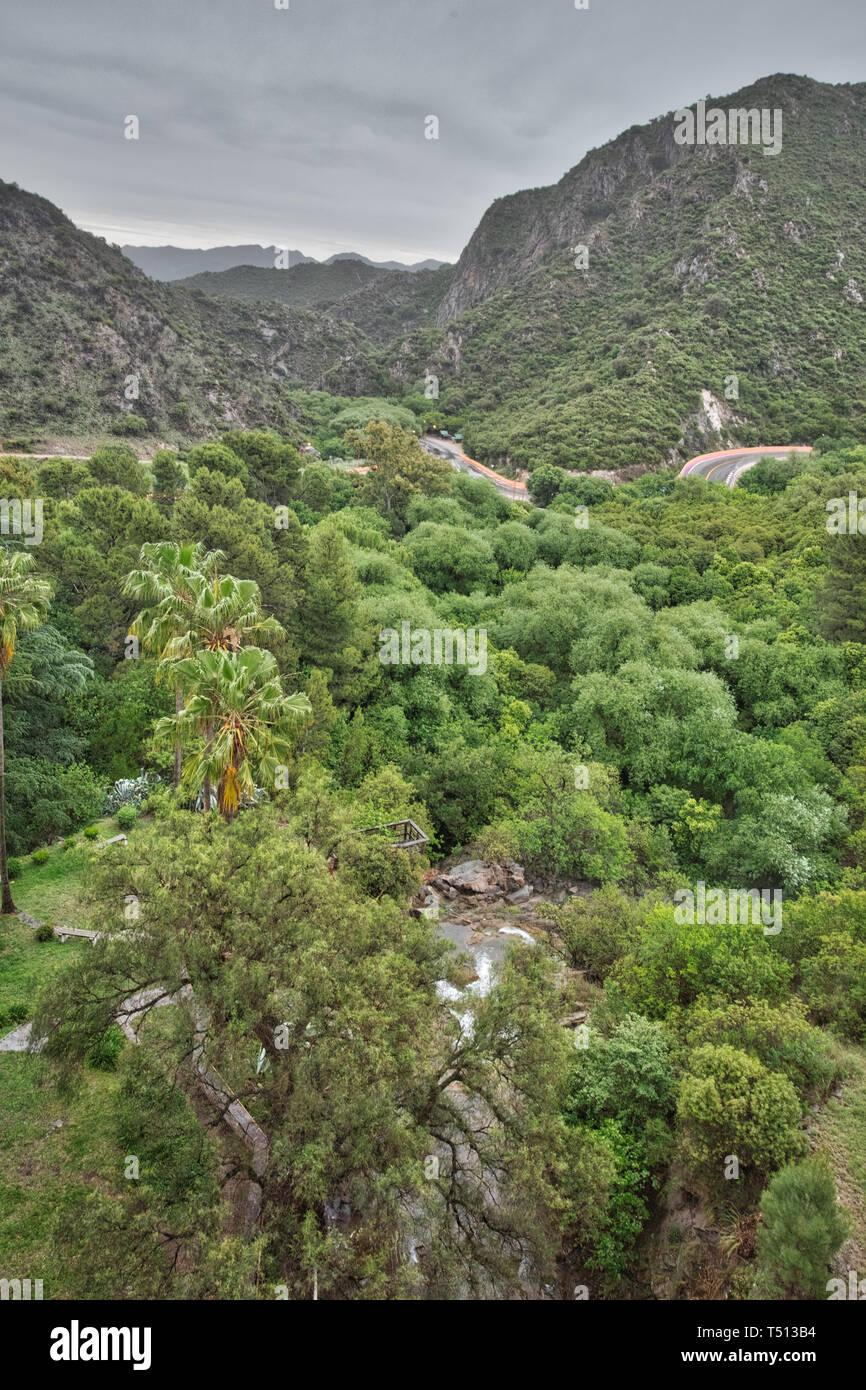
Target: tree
445	1143
627	1077
163	582
192	606
399	468
840	599
24	599
236	707
801	1229
168	480
730	1104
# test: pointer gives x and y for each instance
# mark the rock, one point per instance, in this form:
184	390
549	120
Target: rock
521	895
572	1020
514	875
474	876
477	876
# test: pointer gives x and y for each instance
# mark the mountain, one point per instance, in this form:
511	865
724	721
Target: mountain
723	298
310	283
384	304
78	321
181	263
720	302
429	264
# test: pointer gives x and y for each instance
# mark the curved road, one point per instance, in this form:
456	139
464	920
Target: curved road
727	465
446	448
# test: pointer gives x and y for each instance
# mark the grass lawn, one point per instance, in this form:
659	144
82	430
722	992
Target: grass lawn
46	1170
53	891
26	964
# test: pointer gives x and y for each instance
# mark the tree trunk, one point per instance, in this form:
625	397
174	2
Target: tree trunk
7	905
178	751
206	789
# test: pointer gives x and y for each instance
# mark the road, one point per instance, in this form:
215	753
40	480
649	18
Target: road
728	465
446	448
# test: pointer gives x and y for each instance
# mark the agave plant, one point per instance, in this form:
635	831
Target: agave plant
131	791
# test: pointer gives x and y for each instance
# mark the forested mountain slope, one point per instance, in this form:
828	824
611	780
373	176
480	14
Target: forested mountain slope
78	321
704	263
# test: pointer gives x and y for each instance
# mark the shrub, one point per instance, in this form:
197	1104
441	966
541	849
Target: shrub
127	816
729	1103
801	1230
15	1012
91	832
44	932
104	1053
627	1077
13	867
129	424
39	856
69	842
131	791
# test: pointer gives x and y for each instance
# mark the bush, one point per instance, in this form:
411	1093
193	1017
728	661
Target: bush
103	1055
44	932
16	1012
627	1077
127	816
91	832
801	1230
69	842
729	1103
40	856
129	424
131	791
13	867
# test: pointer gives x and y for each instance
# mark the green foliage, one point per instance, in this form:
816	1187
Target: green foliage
91	832
801	1229
39	856
627	1077
729	1103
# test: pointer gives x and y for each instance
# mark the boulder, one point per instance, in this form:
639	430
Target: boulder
477	876
521	895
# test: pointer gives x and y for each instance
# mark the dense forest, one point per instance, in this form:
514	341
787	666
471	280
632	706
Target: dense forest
660	761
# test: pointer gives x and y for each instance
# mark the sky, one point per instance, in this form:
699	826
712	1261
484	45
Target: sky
304	126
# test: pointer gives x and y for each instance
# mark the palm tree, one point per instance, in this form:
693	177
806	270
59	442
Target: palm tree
24	599
163	583
236	707
190	606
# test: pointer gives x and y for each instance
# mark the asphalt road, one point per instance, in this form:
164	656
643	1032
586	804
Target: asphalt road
727	465
446	448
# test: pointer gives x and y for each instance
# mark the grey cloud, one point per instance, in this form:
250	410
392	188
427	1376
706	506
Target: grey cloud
305	127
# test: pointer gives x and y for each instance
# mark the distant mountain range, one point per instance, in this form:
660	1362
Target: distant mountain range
179	262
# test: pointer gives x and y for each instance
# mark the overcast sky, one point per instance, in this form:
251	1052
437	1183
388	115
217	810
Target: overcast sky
304	127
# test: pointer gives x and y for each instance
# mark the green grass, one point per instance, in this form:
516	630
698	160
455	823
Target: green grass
53	891
46	1171
26	964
